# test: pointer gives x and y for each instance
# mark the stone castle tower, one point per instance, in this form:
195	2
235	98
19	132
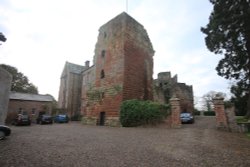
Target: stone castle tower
123	69
166	87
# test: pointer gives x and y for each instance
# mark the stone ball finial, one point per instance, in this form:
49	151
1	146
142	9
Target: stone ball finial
218	96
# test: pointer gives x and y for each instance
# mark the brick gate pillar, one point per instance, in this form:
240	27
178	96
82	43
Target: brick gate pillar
221	118
175	112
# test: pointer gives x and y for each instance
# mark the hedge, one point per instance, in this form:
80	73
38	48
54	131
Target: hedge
76	117
197	113
209	113
135	112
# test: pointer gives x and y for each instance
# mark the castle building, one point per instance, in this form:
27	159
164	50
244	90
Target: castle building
28	104
70	85
166	87
122	70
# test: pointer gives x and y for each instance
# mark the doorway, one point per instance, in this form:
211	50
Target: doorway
102	119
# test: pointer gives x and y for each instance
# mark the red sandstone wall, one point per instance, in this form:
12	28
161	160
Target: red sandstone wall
127	64
74	96
138	73
109	57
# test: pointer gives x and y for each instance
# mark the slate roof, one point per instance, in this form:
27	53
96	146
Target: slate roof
30	97
75	68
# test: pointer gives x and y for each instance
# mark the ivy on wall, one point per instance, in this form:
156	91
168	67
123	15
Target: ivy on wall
98	94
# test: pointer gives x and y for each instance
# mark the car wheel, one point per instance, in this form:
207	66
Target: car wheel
2	135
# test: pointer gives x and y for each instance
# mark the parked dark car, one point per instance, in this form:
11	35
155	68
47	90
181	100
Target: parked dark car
187	118
22	120
4	131
44	119
61	118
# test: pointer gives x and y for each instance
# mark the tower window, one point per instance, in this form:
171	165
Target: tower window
104	34
103	53
102	74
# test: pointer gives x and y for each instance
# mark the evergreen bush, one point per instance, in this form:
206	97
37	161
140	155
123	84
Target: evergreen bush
209	113
76	117
135	112
197	112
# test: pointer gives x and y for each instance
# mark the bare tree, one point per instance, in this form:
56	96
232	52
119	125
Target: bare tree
208	99
2	38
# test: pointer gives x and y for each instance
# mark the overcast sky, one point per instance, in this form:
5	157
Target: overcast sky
43	34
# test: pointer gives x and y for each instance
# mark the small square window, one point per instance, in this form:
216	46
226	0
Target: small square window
103	53
102	74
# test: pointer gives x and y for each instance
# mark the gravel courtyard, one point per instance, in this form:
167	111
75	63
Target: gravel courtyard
74	145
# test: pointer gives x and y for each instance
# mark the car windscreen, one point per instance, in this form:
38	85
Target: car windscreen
185	115
46	116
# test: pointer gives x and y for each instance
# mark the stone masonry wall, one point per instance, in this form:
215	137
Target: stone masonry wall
123	68
138	70
88	77
27	107
221	118
5	85
74	95
106	95
175	113
166	87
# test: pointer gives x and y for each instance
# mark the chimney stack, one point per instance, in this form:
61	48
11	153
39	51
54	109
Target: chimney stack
87	64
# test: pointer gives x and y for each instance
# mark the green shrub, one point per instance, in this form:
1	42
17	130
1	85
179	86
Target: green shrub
197	112
209	113
136	112
248	135
76	117
241	119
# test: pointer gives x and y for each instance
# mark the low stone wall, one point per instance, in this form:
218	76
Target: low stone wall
113	121
89	120
225	118
243	127
109	121
232	125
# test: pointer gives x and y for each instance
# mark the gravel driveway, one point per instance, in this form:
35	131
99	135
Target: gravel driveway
74	144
